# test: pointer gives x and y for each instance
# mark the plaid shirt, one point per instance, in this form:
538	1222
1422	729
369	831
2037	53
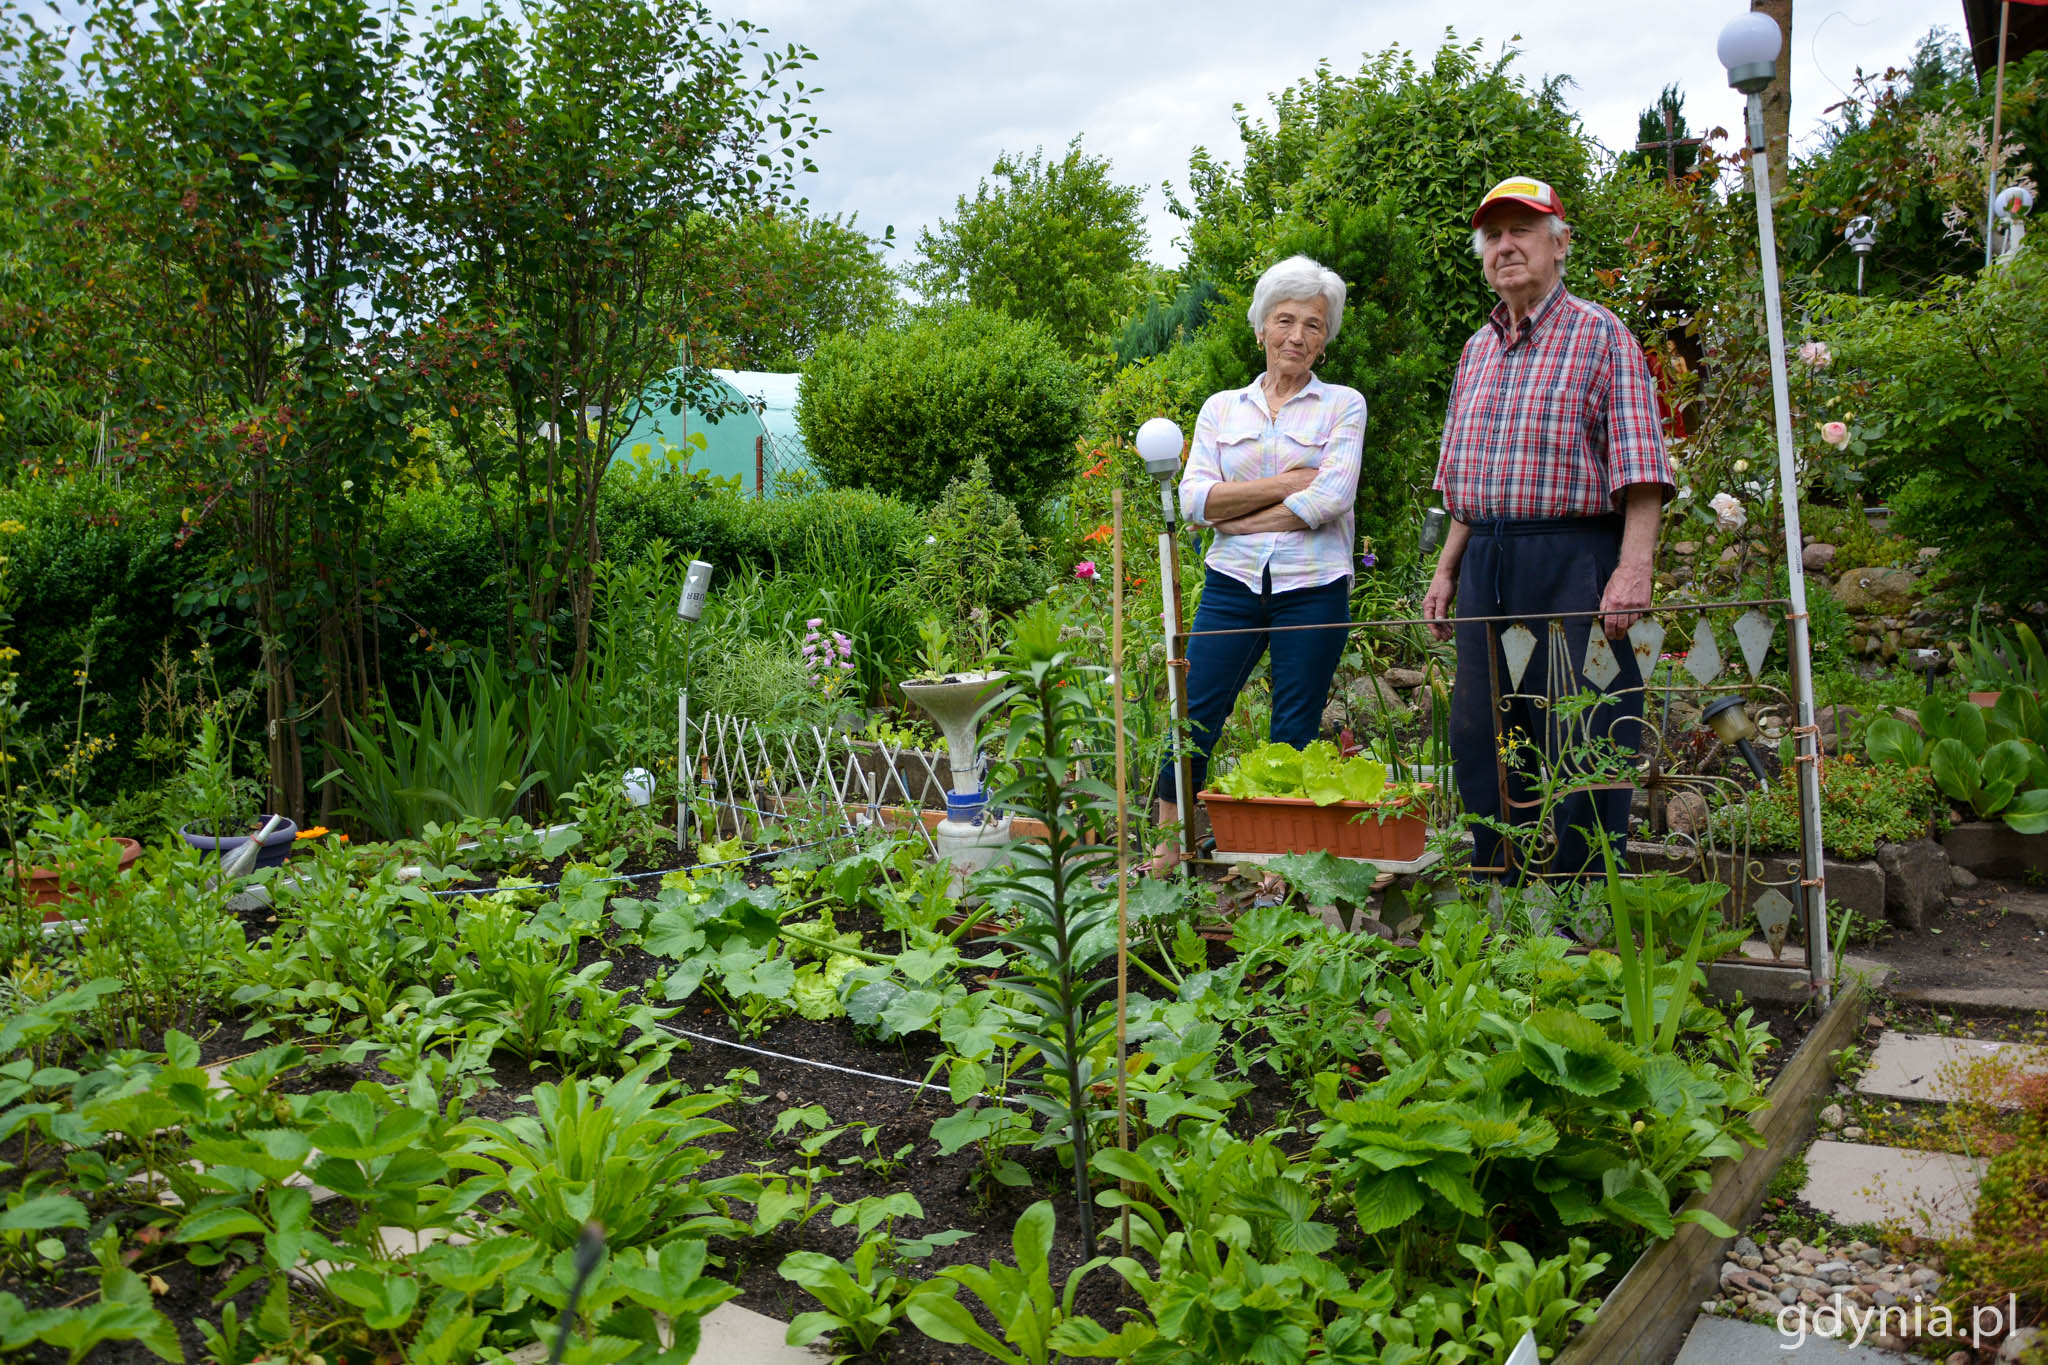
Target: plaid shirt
1237	438
1552	421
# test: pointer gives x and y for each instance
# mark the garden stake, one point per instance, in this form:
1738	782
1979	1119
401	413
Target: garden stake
1123	848
589	1250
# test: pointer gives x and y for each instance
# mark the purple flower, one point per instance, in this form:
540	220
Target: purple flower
1368	560
815	622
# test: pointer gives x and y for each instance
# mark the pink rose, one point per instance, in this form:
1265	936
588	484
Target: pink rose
1085	571
1817	355
1835	434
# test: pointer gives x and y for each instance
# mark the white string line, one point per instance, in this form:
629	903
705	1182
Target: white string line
828	1066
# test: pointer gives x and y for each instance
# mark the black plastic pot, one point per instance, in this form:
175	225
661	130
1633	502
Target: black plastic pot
276	848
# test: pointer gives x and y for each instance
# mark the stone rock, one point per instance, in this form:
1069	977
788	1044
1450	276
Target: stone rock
1737	1279
1926	553
1334	717
1826	1268
1870	1256
1744	1248
1788	1296
1885	1341
1832	1116
1916	881
1876	590
1925	1278
1961	878
1790	1246
1686	547
1374	692
1750	1262
1405	678
1852	1134
1961	1358
1729	555
1817	556
1837	726
1686	812
2018	1344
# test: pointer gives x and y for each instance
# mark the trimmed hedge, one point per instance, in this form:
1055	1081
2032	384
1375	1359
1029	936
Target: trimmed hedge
90	552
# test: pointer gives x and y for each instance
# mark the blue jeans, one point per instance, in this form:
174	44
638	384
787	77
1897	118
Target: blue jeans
1304	661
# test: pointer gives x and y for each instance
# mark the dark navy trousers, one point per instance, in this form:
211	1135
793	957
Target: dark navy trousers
1304	661
1532	570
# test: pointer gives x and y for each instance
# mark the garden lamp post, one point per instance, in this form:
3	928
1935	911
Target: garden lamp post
689	610
1159	445
1749	48
1861	235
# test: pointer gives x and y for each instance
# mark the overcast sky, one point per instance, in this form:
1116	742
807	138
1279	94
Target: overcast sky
921	95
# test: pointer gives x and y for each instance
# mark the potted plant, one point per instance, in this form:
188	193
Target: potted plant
1990	661
226	804
1279	799
77	862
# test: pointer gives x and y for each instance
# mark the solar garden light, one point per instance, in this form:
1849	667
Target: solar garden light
689	610
1749	48
1160	443
1729	719
1861	235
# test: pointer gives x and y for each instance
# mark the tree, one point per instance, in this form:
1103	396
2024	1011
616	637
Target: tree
1664	122
906	410
1430	140
247	150
1058	243
765	288
567	149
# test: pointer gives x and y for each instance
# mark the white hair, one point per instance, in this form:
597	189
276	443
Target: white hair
1558	228
1298	277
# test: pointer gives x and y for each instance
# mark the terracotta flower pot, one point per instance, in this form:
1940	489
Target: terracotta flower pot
52	887
1985	698
1276	824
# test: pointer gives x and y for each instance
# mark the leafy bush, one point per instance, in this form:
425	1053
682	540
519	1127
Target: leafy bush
903	410
1861	806
1955	378
975	556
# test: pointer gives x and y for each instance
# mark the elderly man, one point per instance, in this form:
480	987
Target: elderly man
1554	471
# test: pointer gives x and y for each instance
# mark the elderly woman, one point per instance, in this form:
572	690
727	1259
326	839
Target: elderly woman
1273	469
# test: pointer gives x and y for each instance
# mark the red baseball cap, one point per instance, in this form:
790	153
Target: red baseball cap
1520	189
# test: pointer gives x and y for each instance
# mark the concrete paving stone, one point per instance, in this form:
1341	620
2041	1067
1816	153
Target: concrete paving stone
2032	904
1923	1193
1976	999
1730	1341
1926	1066
732	1335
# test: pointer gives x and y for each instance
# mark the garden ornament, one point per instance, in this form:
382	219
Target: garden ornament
967	839
1861	234
2013	204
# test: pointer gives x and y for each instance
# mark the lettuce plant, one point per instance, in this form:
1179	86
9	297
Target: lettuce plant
1318	773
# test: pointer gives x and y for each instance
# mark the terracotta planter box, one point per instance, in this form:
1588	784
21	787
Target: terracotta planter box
1279	824
52	887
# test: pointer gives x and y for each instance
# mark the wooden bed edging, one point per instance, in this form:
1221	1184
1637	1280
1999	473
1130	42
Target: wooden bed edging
1643	1321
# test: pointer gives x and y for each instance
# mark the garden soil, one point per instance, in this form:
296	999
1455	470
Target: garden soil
1980	940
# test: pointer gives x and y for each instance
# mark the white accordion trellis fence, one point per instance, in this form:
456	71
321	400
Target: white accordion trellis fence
742	771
